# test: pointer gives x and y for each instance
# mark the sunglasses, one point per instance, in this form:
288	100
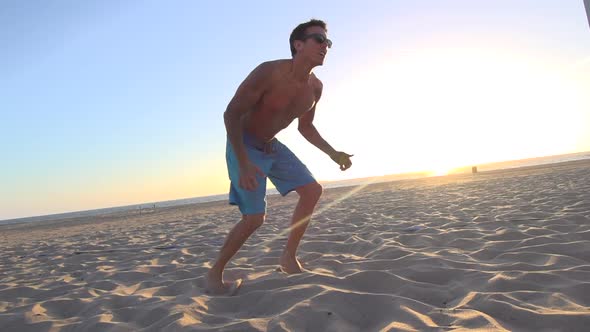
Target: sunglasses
319	38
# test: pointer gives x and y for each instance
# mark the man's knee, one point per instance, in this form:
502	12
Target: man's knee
254	220
311	191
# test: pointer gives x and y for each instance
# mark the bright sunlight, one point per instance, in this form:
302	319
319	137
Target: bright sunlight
438	109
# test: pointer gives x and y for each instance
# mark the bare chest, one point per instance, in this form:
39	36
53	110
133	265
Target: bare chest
287	101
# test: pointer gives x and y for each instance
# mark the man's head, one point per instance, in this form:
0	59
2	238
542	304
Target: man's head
310	40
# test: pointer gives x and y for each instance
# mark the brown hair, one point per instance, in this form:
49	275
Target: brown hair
299	32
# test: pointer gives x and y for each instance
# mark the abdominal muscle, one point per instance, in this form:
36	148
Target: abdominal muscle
278	108
264	125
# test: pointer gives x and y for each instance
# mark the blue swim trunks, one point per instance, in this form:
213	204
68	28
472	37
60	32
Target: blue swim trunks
277	163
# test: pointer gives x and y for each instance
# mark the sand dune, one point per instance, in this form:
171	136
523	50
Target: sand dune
504	250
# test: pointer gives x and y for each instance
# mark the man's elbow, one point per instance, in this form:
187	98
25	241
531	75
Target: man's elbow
226	117
306	131
230	114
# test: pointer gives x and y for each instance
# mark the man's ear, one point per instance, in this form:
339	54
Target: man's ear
298	44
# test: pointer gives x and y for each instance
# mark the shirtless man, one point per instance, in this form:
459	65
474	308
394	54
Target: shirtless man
269	99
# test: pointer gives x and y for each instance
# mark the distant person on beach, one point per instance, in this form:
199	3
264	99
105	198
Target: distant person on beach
273	95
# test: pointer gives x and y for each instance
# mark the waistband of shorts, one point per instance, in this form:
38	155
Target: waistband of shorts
258	144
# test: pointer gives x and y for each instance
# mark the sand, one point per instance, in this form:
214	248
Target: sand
504	250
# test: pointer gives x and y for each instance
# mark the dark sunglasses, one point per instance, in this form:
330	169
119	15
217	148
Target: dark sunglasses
319	38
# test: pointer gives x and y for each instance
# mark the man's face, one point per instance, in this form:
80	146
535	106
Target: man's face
315	45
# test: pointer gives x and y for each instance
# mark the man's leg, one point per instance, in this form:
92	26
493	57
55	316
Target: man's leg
234	241
309	195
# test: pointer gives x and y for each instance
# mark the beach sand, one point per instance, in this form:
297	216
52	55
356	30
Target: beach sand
502	250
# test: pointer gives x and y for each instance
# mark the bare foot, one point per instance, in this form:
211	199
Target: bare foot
290	264
215	286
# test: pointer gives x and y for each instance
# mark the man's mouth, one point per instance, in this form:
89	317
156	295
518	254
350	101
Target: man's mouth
323	54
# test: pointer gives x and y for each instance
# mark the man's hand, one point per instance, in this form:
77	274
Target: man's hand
342	159
248	174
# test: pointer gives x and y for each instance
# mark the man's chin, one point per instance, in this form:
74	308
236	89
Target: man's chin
317	61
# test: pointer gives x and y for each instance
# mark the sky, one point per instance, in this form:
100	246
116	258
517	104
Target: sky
111	103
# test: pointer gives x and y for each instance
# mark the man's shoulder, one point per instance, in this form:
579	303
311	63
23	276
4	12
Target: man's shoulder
270	69
274	64
316	82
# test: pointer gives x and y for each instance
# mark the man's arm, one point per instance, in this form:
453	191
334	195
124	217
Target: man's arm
243	102
311	134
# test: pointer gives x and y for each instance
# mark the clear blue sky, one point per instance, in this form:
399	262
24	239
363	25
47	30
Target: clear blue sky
108	103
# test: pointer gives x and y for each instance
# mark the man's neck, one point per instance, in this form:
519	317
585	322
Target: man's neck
300	69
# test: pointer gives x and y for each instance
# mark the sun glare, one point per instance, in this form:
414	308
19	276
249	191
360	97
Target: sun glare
438	109
439	172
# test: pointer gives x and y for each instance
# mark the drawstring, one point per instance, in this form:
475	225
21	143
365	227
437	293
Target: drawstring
268	147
